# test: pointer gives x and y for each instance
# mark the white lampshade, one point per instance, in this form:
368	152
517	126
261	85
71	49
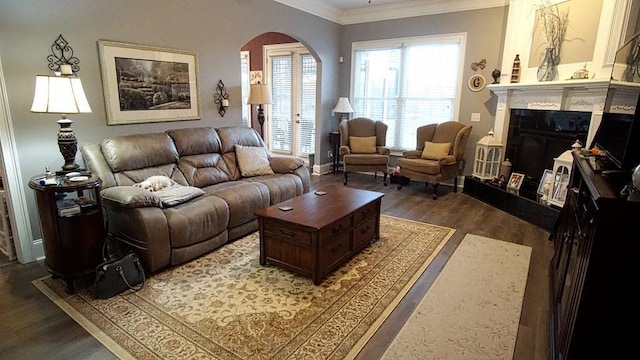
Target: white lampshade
59	95
62	95
343	106
259	94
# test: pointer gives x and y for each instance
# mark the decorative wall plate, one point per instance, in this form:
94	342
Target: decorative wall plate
477	82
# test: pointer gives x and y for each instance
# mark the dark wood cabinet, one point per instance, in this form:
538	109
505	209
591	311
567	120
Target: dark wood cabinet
72	226
592	273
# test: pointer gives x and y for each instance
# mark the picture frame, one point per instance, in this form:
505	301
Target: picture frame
515	181
546	176
144	84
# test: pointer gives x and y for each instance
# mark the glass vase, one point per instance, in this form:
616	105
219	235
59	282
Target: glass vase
548	70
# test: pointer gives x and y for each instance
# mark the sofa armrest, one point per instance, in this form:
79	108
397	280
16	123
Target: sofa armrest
412	154
129	197
285	165
382	150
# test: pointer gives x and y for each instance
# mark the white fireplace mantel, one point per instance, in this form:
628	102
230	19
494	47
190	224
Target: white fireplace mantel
570	95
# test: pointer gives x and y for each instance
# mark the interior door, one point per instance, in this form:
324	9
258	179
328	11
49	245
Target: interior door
291	71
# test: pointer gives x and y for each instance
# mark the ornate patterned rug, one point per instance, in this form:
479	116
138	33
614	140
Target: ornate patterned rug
225	305
483	284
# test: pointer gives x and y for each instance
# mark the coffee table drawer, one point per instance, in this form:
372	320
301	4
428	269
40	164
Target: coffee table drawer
328	234
366	212
335	251
288	234
364	233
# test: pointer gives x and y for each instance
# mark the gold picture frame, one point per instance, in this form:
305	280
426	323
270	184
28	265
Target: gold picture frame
144	84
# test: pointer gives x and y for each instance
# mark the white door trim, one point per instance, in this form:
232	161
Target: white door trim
17	203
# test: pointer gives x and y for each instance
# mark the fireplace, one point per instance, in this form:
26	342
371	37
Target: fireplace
536	137
538	122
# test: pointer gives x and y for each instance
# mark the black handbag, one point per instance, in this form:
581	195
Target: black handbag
118	275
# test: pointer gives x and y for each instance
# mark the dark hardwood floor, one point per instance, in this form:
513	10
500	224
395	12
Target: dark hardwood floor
32	327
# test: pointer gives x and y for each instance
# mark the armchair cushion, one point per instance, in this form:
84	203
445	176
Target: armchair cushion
363	145
435	151
253	160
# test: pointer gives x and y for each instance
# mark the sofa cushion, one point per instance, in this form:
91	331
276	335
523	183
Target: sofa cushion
362	145
242	198
253	161
139	151
196	221
194	141
284	164
178	194
435	151
281	187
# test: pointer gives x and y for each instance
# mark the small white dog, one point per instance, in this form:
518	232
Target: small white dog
155	183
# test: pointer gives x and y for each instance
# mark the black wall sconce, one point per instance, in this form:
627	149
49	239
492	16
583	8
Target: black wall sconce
221	98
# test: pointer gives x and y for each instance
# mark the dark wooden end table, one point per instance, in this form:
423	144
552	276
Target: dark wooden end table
321	232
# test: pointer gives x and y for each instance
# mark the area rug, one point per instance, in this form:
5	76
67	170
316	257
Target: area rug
225	305
472	310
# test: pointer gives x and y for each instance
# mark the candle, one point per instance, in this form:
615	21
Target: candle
225	102
65	69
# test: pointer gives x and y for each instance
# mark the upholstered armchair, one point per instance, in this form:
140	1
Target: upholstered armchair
362	147
439	154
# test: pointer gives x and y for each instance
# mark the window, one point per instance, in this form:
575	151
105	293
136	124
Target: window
407	83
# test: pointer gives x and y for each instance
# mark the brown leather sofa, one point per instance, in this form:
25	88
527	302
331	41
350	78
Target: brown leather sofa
200	159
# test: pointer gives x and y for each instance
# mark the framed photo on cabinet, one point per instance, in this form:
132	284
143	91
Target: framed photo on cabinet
515	181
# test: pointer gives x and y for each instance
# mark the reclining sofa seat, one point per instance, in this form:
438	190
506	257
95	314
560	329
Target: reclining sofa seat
199	157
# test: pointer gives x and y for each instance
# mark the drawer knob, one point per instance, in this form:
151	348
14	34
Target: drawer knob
337	229
365	230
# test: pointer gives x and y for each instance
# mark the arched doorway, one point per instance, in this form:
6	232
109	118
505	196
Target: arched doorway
289	69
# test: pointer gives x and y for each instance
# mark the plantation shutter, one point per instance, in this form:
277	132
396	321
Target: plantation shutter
244	81
307	106
281	94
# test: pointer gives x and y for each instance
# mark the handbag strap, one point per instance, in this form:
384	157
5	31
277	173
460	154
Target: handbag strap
124	278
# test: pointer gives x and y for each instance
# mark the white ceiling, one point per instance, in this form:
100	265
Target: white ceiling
358	11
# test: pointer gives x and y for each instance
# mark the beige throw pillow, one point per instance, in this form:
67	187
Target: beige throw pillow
362	145
253	160
435	151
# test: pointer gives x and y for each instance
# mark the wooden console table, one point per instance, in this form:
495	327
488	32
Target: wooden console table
321	232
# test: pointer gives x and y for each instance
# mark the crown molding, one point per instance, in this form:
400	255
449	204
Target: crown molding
401	10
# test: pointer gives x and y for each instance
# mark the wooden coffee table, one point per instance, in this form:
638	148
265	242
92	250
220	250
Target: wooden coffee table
321	232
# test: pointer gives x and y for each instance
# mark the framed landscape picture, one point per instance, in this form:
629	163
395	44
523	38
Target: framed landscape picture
145	84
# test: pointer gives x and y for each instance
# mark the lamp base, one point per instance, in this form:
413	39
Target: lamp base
68	144
261	120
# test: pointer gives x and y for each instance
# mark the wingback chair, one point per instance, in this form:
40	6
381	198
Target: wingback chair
439	154
362	147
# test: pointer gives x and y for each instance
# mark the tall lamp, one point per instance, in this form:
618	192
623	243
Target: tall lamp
343	107
260	94
62	94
